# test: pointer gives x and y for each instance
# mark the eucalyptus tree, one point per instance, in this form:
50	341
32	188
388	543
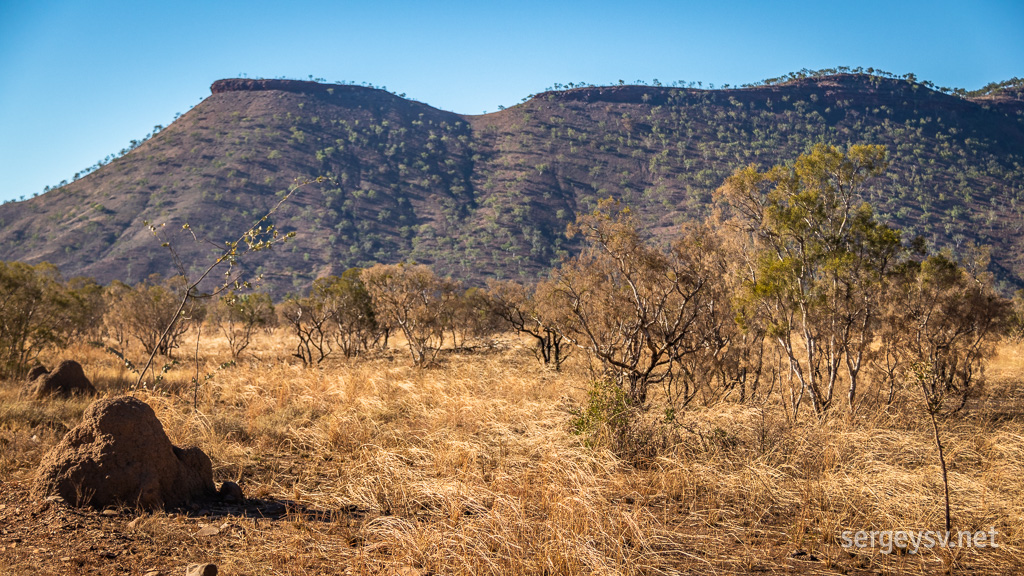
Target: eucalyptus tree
821	261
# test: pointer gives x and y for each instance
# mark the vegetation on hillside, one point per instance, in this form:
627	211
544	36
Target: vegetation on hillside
491	195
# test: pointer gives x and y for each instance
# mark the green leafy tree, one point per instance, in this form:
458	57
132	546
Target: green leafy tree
820	260
949	319
36	311
337	314
350	310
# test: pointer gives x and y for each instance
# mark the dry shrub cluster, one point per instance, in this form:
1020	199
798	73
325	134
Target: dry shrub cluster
478	466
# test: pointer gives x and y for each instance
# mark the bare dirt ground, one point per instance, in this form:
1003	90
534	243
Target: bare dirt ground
370	466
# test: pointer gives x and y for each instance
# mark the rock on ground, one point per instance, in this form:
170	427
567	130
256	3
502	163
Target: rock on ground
201	570
67	380
231	493
120	455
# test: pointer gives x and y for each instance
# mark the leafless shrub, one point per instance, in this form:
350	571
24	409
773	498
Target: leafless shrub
240	316
642	311
412	299
144	312
519	308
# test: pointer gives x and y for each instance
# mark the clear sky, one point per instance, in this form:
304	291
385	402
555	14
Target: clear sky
79	80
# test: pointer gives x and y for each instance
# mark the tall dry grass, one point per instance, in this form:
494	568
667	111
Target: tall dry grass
472	467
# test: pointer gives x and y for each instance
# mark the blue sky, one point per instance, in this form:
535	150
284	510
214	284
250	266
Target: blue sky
79	80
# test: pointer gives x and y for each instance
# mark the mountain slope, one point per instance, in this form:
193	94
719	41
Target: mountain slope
490	195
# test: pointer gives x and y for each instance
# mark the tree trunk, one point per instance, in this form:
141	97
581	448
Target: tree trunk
942	458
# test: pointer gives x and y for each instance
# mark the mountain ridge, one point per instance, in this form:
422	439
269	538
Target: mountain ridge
490	195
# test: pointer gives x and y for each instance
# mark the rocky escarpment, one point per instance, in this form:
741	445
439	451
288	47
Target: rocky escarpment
298	86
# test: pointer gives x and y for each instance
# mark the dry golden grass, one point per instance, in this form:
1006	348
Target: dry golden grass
471	467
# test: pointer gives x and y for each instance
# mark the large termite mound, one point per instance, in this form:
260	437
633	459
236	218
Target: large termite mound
120	455
67	380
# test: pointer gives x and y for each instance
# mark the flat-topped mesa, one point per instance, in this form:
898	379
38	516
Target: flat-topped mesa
634	93
658	95
867	90
299	86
